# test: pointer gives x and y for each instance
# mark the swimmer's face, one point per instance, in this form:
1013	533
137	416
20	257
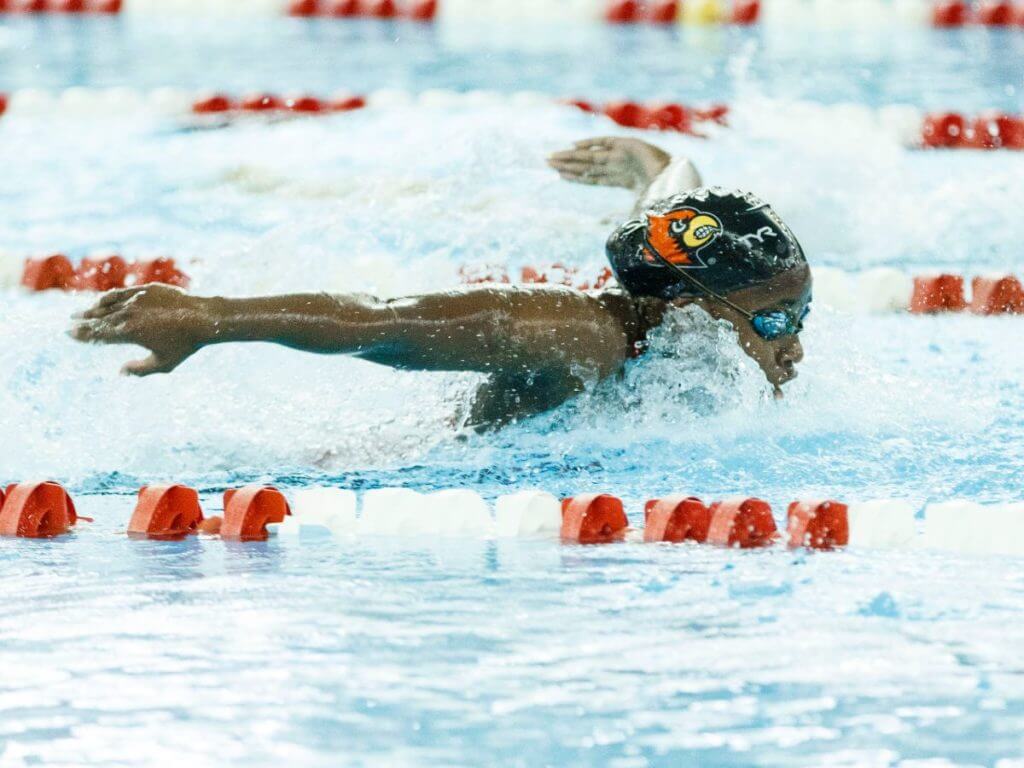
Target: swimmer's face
779	358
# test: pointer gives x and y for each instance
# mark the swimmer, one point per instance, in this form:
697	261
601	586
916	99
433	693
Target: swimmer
539	345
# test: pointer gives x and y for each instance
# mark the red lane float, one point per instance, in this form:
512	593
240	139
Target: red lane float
422	10
260	102
223	105
818	524
413	10
668	11
51	272
950	13
997	296
676	519
214	104
66	7
101	274
746	12
98	274
995	13
594	518
663	11
37	511
347	103
622	12
626	113
944	130
303	8
343	9
742	523
662	116
248	510
938	293
996	131
166	512
161	270
668	117
308	104
988	130
381	9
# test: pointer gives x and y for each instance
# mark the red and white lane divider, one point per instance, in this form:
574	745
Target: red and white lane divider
255	512
989	13
413	10
611	11
36	510
874	291
905	124
69	7
92	273
990	130
741	12
270	104
939	13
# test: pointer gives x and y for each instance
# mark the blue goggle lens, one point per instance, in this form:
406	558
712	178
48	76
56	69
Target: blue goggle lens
772	325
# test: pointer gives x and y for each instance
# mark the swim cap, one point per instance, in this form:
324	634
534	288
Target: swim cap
730	240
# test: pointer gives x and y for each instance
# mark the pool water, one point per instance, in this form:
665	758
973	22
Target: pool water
120	652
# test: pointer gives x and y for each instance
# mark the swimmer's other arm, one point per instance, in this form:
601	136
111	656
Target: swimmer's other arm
613	161
539	345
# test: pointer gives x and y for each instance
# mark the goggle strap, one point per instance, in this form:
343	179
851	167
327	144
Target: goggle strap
700	286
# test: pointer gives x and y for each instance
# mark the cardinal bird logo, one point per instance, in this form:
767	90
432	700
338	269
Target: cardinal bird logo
679	236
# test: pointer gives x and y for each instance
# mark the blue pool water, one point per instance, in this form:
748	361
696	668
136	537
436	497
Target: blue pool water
119	652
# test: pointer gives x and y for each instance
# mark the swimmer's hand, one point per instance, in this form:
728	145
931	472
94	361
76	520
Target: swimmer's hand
611	162
168	322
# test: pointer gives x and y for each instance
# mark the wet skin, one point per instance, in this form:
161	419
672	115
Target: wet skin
538	345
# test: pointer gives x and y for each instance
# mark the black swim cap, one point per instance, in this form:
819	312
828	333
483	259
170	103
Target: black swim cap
730	240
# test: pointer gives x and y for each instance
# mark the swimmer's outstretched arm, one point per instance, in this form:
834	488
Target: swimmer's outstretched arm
628	163
553	337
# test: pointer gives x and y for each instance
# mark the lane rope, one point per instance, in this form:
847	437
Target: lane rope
256	512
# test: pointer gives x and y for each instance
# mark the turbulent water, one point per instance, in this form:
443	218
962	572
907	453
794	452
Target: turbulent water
119	652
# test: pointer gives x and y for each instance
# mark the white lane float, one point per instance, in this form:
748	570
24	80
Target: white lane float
392	512
250	513
906	125
458	512
528	514
321	511
12	267
882	524
970	528
883	290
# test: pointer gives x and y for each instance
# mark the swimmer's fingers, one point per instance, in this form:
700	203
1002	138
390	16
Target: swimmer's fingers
580	156
110	302
117	331
610	175
105	330
154	363
599	142
97	311
580	169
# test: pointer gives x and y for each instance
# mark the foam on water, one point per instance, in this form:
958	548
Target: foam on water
410	195
506	653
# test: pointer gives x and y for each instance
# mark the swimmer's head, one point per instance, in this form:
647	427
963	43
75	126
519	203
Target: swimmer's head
730	253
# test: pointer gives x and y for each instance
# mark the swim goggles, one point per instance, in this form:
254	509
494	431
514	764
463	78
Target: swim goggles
769	324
